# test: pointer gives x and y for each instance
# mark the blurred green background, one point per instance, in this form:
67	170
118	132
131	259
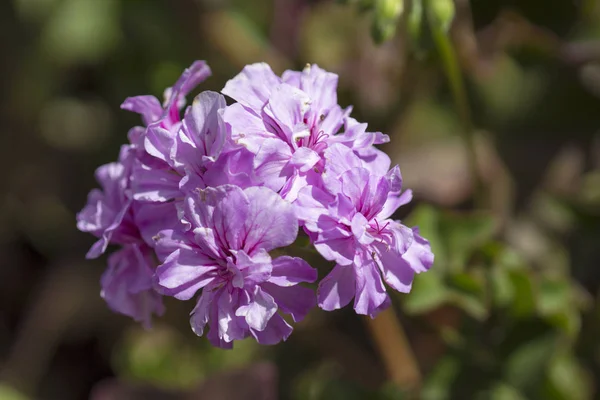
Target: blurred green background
493	108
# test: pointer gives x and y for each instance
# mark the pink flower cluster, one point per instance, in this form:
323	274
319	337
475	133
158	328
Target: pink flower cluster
201	194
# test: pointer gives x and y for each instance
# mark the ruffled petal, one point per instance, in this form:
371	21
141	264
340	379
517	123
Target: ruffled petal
289	271
184	272
337	288
294	300
252	87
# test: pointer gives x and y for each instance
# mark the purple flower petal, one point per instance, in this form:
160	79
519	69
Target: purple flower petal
286	108
370	292
304	159
184	272
270	163
337	288
247	128
276	330
200	315
152	218
159	142
127	284
271	221
310	206
289	271
260	310
252	87
202	136
294	300
156	185
147	106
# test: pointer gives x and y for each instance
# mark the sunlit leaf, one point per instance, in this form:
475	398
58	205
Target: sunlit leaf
464	233
567	380
428	292
568	320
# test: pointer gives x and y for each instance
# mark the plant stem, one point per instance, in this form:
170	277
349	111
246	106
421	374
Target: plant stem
451	67
394	349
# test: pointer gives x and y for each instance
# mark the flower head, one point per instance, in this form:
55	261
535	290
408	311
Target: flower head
225	254
107	213
349	222
127	284
207	191
289	122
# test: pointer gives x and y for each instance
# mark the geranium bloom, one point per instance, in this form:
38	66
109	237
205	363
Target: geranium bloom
225	253
127	284
110	215
107	213
349	222
288	122
208	190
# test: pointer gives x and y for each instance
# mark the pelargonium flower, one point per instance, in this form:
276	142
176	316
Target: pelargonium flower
127	284
107	213
208	190
225	254
110	214
349	223
288	122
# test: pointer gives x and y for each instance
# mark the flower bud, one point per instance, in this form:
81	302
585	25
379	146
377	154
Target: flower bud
387	13
442	12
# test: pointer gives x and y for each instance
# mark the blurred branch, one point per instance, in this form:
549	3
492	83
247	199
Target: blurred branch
59	300
451	67
390	340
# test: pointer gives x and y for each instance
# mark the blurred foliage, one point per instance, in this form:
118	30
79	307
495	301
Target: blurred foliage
493	108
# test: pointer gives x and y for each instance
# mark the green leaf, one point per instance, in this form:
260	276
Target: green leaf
467	282
567	380
466	290
526	366
524	303
469	303
503	291
502	391
554	295
428	293
556	302
568	320
439	382
168	359
464	233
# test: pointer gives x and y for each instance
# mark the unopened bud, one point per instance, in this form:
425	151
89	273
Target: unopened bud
443	12
387	13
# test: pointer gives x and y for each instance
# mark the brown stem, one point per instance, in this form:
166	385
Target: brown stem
394	349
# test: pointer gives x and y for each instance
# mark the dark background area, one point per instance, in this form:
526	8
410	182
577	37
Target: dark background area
510	309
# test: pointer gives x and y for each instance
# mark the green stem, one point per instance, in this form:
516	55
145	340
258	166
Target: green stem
451	67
